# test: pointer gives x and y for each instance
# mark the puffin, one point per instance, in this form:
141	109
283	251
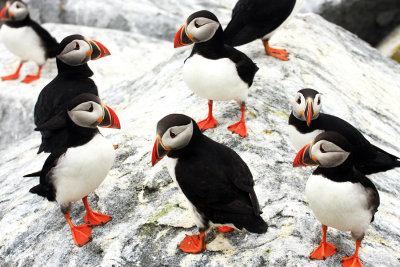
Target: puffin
25	38
214	70
260	19
339	195
216	182
306	122
73	171
73	79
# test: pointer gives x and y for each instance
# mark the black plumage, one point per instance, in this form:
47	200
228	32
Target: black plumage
218	183
367	157
254	19
70	82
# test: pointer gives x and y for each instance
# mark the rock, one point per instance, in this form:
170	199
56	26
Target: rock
142	81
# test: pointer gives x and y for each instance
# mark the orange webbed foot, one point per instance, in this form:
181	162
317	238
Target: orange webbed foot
352	261
81	234
115	147
208	123
225	229
239	128
281	54
10	77
30	78
193	243
94	218
323	251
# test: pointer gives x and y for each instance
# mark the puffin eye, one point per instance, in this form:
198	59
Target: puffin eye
172	134
319	101
298	100
196	25
77	46
18	6
322	150
91	108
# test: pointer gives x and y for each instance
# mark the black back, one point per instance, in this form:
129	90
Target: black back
48	42
54	97
216	49
367	157
218	183
253	19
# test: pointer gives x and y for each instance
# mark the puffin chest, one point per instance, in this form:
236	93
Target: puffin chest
214	79
82	169
342	205
24	43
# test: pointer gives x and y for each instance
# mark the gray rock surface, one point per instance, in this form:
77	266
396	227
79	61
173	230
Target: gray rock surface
142	81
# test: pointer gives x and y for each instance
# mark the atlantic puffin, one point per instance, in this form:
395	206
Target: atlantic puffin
306	121
214	70
339	195
260	19
25	38
215	180
73	79
73	171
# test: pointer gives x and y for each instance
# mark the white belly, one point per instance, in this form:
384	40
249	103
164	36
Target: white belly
214	79
296	8
299	140
82	169
198	219
343	206
24	43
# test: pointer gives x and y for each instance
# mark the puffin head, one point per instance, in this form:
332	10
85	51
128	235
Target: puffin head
174	132
75	50
307	105
327	150
85	110
14	11
199	27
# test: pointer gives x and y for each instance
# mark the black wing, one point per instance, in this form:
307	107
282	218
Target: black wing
45	188
253	19
245	67
49	42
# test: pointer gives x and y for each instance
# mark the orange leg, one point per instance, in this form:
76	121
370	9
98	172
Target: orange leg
193	243
93	218
81	233
352	261
324	250
14	75
277	53
240	127
225	229
210	121
31	78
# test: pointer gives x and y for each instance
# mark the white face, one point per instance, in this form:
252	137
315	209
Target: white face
299	106
328	154
202	29
76	53
18	10
177	137
86	114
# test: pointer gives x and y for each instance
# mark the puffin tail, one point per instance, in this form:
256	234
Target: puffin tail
44	191
34	174
257	225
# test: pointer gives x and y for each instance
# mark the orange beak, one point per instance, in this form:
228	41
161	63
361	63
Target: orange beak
304	157
309	112
158	151
181	38
110	119
98	50
3	13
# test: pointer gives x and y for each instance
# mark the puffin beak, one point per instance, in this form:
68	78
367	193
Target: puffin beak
182	39
304	157
309	111
98	50
109	118
159	151
3	12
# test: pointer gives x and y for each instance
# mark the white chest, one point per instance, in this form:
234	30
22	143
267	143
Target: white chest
299	140
24	43
343	206
214	79
82	169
